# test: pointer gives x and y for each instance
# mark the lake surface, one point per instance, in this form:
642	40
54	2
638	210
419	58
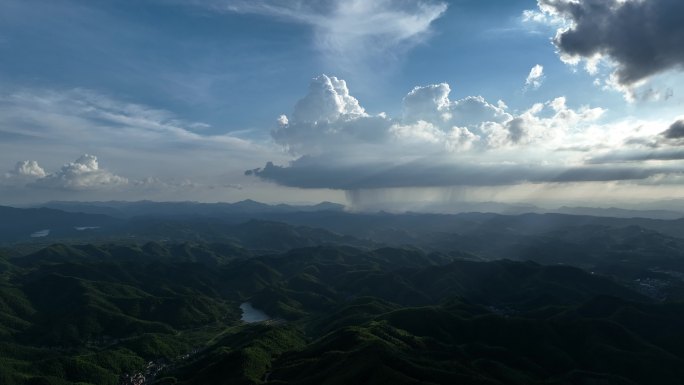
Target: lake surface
40	234
83	228
252	315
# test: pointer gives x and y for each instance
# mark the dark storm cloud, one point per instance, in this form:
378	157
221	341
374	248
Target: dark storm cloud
676	130
643	37
319	172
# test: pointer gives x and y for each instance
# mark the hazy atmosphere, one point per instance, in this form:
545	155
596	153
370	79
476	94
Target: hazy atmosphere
384	104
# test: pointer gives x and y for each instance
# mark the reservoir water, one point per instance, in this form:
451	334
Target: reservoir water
252	315
40	234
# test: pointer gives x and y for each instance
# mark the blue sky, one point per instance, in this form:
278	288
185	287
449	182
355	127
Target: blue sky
174	100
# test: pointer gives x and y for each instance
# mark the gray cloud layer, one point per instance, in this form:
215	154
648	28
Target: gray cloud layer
666	146
638	156
642	37
676	130
323	172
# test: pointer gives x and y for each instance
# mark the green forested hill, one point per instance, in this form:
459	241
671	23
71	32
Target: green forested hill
91	313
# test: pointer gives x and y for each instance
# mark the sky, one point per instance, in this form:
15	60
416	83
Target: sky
374	104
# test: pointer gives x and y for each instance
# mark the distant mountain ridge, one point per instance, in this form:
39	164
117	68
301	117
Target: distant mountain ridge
212	222
615	212
125	209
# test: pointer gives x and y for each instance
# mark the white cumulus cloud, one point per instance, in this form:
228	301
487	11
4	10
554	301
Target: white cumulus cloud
28	168
24	172
536	77
82	174
436	141
328	100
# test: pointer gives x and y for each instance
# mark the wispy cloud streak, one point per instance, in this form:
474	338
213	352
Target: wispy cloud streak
350	33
